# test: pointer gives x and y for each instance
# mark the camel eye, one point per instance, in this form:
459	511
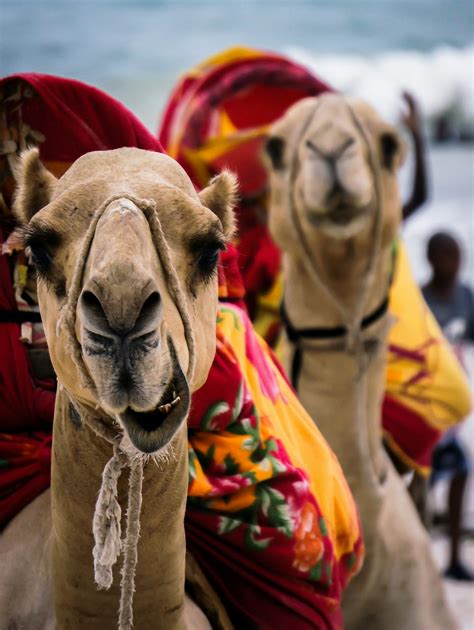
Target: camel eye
207	262
274	148
389	146
205	248
40	242
41	258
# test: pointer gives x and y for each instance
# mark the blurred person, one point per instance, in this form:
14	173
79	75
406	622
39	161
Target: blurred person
450	300
452	304
443	130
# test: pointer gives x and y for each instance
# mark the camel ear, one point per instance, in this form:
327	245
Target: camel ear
274	149
221	197
393	150
35	185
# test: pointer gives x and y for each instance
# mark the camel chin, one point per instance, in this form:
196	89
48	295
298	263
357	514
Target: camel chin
151	431
341	223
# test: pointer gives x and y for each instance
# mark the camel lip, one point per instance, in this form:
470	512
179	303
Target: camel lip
338	215
151	431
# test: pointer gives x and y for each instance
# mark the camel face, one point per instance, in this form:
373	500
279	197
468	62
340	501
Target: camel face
320	146
128	324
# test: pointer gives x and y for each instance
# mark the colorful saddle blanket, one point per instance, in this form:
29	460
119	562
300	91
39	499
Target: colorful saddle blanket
268	505
270	517
66	119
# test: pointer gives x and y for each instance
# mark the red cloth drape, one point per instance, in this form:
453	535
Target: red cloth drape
74	118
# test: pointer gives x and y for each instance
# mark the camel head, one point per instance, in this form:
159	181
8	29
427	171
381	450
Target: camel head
319	161
130	332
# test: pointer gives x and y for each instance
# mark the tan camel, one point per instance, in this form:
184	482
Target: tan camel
334	211
126	234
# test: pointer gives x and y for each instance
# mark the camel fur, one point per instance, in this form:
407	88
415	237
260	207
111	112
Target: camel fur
135	350
333	167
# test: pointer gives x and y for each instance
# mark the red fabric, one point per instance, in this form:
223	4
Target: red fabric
25	470
259	261
231	286
409	431
253	92
23	405
250	503
257	594
74	118
77	118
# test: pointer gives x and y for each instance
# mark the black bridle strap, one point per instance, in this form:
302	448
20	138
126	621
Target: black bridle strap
336	332
295	334
19	317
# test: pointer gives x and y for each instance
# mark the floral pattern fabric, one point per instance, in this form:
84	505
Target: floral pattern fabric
268	504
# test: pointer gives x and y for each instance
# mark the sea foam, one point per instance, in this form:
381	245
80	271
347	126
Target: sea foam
441	80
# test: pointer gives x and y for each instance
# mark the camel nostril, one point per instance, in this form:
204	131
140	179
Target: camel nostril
149	315
151	304
93	311
131	311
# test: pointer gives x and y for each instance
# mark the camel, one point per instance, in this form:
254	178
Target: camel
334	210
129	300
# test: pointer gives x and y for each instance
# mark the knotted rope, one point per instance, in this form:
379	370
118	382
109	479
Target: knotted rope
106	524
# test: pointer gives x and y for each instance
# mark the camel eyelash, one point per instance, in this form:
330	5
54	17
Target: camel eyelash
40	241
207	261
205	249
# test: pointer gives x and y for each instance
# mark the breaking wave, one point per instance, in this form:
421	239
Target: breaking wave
441	80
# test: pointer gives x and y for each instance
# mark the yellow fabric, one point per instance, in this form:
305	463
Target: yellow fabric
435	387
236	53
220	145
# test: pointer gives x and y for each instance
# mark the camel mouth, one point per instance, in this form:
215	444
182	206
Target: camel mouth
150	431
340	215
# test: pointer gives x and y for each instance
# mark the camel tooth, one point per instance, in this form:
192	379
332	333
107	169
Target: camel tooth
175	401
166	408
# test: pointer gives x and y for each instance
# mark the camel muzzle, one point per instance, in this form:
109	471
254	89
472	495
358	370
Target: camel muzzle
153	430
128	313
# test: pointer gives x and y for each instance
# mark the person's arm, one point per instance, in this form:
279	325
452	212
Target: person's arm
420	184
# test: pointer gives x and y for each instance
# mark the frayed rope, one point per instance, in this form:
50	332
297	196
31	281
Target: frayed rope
106	526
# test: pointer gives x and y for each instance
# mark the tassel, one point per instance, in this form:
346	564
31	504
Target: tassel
106	523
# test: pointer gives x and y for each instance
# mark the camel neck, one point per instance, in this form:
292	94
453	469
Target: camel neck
307	307
345	405
79	457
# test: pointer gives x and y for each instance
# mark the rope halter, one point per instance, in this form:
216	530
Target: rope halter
107	515
352	319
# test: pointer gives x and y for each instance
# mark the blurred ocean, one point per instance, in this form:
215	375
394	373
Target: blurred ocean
136	49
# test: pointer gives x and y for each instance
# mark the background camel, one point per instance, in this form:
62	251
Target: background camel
334	211
94	236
